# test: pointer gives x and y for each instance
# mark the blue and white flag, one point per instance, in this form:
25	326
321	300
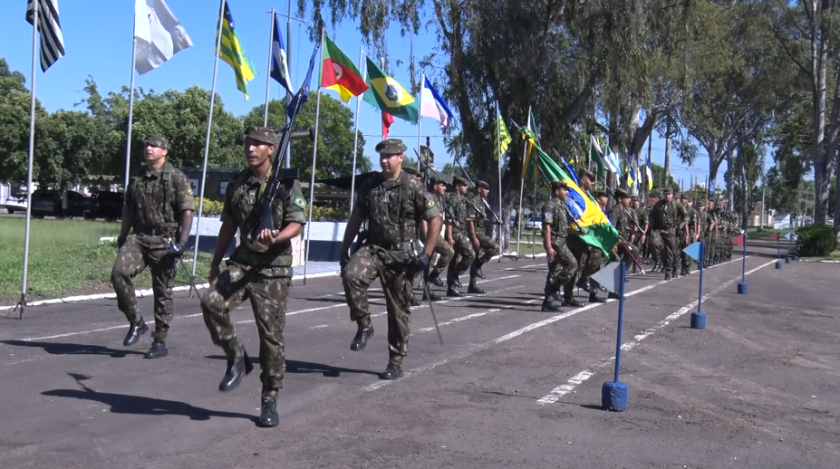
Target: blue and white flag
432	104
279	63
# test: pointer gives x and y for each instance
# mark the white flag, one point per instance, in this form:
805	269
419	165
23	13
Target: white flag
159	35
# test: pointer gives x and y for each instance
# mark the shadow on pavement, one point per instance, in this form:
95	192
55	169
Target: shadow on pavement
299	367
55	348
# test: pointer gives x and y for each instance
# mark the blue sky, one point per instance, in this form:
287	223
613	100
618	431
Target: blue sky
98	42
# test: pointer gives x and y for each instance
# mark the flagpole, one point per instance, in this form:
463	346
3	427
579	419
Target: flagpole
268	69
314	159
130	102
419	131
501	210
31	153
356	131
207	136
521	192
288	149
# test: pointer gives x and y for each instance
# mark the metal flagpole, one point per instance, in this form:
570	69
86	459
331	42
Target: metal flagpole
268	69
419	132
521	190
314	159
207	136
130	106
289	61
31	153
356	132
499	144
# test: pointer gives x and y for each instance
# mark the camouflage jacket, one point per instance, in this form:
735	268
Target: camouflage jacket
393	207
693	218
458	209
667	216
243	208
477	212
554	216
642	213
619	219
146	200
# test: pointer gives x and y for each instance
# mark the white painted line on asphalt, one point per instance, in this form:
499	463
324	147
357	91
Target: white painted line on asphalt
188	316
467	352
557	393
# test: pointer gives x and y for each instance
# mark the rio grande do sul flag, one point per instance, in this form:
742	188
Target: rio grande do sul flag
339	73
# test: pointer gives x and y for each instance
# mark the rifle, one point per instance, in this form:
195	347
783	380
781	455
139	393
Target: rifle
485	202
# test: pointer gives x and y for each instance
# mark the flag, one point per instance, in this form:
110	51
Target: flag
52	42
611	160
388	95
597	157
533	125
649	174
583	211
279	63
531	141
159	35
504	136
629	172
303	93
432	105
387	120
339	73
233	54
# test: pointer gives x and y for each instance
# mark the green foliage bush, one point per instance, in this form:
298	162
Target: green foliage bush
817	240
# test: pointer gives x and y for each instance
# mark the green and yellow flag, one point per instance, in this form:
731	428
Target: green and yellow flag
388	95
504	139
233	54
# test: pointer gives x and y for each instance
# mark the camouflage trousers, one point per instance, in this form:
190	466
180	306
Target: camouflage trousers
588	259
654	245
394	271
133	258
685	259
710	247
562	270
267	293
487	248
464	252
445	254
669	255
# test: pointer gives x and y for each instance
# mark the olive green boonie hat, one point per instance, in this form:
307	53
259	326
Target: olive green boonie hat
391	146
157	141
262	134
482	185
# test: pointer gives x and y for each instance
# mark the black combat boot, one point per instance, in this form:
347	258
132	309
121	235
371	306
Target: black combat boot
475	270
452	292
135	330
571	301
583	284
549	304
473	288
236	370
435	280
363	334
433	297
593	297
158	350
268	413
392	371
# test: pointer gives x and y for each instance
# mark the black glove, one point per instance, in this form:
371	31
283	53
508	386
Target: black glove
175	249
343	262
121	241
422	262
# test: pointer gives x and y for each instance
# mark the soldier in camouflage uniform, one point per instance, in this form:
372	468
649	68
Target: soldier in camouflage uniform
457	237
485	248
561	262
712	240
589	258
443	248
668	215
619	216
654	240
642	216
420	229
260	269
159	207
392	202
686	233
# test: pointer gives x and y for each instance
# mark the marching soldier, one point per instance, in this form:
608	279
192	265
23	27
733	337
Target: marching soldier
588	257
714	224
561	262
392	202
259	269
619	216
443	248
669	215
420	227
485	248
684	234
458	238
159	208
654	241
642	218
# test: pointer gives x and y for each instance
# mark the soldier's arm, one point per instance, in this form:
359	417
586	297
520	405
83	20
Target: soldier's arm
548	218
357	217
425	205
127	218
226	232
293	216
186	205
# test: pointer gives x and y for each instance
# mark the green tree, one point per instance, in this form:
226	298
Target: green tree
14	124
335	137
71	147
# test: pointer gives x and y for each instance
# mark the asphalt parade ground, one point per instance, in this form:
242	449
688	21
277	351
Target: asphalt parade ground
511	386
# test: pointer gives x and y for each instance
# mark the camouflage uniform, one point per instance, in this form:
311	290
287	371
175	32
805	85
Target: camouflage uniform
464	253
442	248
477	212
589	259
693	217
392	208
262	274
643	217
156	215
711	244
668	216
562	270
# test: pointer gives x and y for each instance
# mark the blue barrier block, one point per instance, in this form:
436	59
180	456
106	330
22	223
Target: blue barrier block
787	260
779	264
614	396
743	288
698	320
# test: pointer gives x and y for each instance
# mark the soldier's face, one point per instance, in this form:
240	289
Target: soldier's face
562	193
440	189
625	202
390	163
483	192
256	152
669	197
461	188
585	183
155	154
637	204
602	200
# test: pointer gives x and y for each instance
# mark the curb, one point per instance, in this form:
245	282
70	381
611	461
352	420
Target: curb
818	260
147	292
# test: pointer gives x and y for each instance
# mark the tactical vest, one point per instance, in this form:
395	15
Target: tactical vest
384	215
170	224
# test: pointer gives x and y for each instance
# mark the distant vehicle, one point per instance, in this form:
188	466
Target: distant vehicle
48	203
534	223
15	203
105	204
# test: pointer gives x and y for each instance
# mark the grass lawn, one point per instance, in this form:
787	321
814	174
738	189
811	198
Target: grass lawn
755	232
65	258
